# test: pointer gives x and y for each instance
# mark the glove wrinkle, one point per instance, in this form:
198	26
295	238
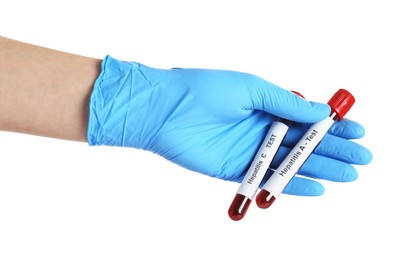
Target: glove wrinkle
213	121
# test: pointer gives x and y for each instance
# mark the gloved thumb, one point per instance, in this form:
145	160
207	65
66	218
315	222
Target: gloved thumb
285	104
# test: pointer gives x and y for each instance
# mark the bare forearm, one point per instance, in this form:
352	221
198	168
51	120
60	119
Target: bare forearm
45	92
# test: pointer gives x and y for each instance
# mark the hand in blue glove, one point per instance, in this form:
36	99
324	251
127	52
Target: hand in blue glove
213	122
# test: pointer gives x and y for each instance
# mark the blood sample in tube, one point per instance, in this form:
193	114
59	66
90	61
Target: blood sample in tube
340	104
256	172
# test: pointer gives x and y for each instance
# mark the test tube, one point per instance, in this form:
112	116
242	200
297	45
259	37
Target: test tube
340	104
256	172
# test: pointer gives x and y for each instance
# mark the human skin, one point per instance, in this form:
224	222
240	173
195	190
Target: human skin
45	92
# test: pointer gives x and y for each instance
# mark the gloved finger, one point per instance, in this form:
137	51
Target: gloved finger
283	103
343	150
304	187
347	129
321	167
333	147
298	186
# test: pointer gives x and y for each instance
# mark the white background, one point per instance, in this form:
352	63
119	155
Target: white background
66	200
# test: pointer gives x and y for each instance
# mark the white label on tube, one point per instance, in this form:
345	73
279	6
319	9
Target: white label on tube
262	160
296	157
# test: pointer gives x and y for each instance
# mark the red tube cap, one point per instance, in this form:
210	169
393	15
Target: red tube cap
341	102
298	94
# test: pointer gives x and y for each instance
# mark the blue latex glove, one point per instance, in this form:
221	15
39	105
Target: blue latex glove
213	121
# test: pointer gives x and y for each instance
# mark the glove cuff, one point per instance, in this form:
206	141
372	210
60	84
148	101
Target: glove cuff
110	105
